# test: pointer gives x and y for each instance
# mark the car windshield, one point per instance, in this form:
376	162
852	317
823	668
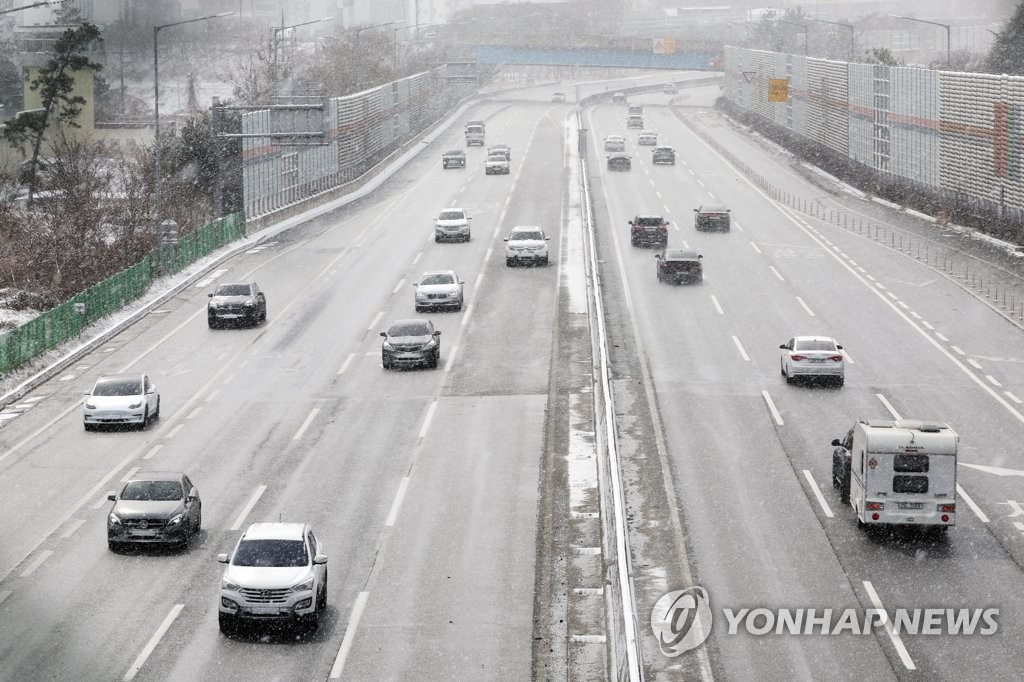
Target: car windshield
437	279
525	235
152	491
232	290
409	329
814	344
451	215
267	553
497	156
118	387
648	220
678	255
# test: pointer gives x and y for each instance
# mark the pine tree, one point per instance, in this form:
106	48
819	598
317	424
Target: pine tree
1007	54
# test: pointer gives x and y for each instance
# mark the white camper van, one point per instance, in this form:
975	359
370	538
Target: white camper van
898	472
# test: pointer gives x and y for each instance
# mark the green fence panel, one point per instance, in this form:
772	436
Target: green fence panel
63	322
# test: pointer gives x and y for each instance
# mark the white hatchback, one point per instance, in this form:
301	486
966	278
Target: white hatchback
812	356
526	244
121	399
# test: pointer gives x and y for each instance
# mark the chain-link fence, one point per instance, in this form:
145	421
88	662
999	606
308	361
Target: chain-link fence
67	320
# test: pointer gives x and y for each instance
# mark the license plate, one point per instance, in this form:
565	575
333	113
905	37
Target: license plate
144	533
265	611
910	505
816	361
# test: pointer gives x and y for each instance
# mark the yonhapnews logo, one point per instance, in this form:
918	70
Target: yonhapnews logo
681	620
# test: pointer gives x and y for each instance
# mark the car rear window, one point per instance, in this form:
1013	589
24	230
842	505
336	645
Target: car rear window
815	344
452	215
152	491
713	209
232	290
409	329
118	387
438	279
276	553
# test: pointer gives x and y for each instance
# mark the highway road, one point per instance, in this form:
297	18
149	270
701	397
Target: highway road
749	456
443	495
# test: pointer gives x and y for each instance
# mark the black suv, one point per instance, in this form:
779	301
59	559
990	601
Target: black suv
236	302
154	507
619	161
648	229
680	265
711	217
410	343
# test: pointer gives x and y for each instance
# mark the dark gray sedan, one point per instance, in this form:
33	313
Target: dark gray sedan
237	302
410	343
154	507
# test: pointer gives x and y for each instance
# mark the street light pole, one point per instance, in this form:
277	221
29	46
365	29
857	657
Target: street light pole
278	29
839	23
157	201
949	32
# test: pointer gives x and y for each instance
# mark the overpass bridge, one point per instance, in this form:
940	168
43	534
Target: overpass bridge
637	59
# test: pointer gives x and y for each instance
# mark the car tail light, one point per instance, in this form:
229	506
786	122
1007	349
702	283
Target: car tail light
835	358
797	358
947	508
874	506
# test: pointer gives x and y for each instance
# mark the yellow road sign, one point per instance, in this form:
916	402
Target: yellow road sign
778	89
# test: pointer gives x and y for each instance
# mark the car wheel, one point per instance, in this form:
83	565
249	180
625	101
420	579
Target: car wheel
198	525
114	546
436	359
321	598
386	363
313	621
844	485
544	261
145	417
458	307
437	239
661	278
88	427
419	309
789	377
468	237
212	323
227	623
510	262
840	381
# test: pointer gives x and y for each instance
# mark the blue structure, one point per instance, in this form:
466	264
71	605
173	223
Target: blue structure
690	61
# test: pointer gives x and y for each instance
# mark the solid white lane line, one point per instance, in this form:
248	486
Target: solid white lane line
817	493
718	307
350	633
348	361
72	528
771	408
397	504
739	347
993	380
426	420
970	503
479	278
305	424
896	641
398	287
131	472
376	319
43	556
888	406
465	315
248	507
973	363
153	641
1013	397
417	258
174	432
776	273
451	359
805	306
754	246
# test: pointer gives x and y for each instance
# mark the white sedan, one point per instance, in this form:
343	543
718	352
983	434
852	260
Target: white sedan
121	399
814	357
615	143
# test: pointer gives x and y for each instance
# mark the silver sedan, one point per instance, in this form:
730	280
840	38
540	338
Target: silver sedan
439	289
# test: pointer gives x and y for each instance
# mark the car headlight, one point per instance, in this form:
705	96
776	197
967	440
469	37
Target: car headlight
305	603
305	586
387	346
90	405
212	305
175	520
431	343
135	406
114	519
229	586
228	604
421	294
249	304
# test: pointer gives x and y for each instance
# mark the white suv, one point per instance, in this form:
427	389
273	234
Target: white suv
452	224
526	244
277	574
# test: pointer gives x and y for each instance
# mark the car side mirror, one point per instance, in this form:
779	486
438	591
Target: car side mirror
384	334
415	284
696	210
437	333
210	295
320	559
784	346
630	222
462	282
657	256
728	210
191	498
699	256
112	497
151	390
838	347
836	443
505	239
222	558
